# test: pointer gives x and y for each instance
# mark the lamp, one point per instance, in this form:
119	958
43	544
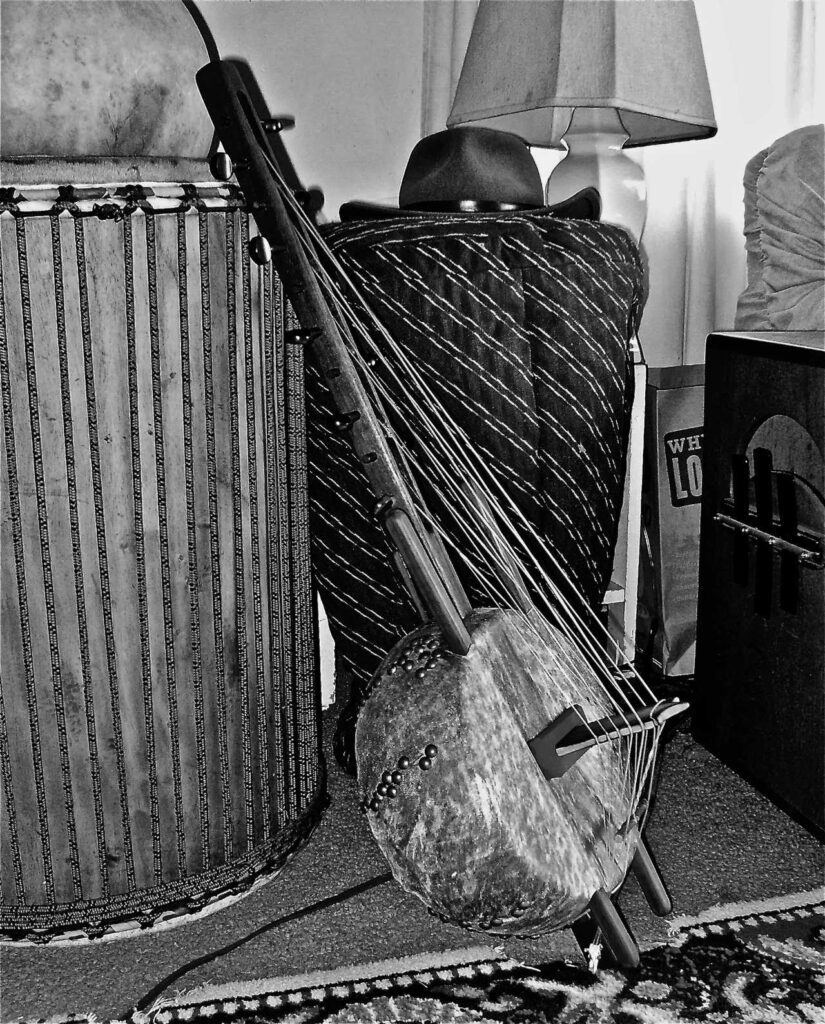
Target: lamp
595	77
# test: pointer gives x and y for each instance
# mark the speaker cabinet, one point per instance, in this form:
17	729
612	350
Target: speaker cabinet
760	656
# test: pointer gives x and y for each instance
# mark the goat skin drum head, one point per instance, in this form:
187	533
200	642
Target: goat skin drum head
454	796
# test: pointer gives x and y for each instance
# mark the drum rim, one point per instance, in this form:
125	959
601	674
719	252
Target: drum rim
172	903
107	199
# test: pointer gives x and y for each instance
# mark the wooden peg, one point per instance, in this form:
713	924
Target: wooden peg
274	125
302	337
260	250
221	166
341	424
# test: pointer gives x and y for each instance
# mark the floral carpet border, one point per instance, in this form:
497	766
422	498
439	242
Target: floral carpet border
758	963
763	966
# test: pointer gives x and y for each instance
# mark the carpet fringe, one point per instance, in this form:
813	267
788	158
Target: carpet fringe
341	975
724	911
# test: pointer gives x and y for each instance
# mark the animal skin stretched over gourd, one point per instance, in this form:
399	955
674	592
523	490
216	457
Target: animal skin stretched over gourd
475	830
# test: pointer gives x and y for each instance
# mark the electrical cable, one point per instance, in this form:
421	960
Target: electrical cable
149	998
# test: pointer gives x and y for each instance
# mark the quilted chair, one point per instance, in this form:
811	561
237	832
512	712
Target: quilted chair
520	321
785	235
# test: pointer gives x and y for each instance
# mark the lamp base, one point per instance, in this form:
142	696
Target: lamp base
595	158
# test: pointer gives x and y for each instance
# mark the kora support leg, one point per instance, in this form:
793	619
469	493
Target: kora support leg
615	934
650	881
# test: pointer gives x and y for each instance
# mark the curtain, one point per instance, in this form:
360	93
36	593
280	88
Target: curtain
447	27
765	62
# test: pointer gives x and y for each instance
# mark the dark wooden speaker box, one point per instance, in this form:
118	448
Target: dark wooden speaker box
760	656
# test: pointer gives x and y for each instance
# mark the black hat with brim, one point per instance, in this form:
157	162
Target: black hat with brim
470	170
584	205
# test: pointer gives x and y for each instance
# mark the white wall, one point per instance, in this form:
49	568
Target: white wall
349	71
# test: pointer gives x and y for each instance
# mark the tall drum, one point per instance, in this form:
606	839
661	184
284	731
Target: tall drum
159	710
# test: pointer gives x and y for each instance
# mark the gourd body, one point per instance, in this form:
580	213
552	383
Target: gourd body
476	831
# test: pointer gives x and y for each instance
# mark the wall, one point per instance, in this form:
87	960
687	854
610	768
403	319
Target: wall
348	71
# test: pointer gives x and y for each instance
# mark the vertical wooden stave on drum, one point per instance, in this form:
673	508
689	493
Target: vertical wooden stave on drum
169	403
109	468
274	363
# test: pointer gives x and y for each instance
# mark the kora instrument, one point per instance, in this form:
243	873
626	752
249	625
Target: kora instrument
502	766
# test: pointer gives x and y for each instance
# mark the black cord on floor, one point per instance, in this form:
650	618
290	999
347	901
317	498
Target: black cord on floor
149	998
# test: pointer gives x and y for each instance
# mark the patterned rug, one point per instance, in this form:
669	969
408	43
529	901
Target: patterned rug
762	963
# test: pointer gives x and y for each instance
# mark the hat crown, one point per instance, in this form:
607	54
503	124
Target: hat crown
470	164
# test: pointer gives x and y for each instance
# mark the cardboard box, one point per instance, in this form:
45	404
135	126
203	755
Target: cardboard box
671	507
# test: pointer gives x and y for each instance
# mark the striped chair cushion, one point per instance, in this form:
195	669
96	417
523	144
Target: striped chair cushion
520	322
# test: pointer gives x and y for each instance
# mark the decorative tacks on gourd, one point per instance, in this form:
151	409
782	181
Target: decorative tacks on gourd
392	778
423	653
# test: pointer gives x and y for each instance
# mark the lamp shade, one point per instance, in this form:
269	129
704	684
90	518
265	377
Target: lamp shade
642	58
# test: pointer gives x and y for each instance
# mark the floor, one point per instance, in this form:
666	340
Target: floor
715	838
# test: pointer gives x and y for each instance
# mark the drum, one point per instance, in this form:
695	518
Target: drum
159	711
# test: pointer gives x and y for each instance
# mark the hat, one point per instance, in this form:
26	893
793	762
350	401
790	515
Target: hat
472	170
